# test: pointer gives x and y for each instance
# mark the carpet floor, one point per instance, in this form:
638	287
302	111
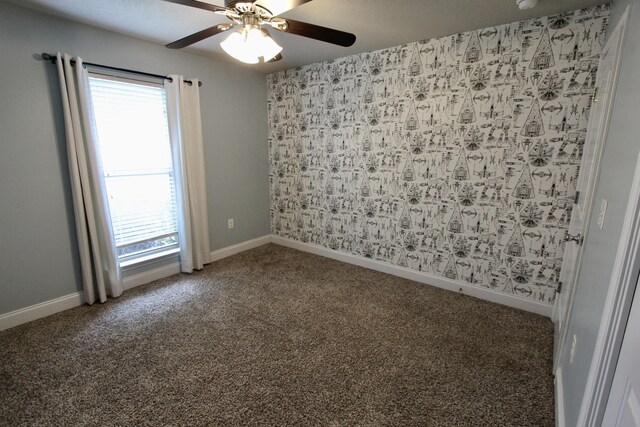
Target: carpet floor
274	336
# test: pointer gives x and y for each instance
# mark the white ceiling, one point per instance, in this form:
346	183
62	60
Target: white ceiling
377	24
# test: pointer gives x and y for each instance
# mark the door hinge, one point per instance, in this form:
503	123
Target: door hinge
559	288
573	238
577	197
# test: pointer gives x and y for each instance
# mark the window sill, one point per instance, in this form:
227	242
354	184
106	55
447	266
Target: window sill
137	262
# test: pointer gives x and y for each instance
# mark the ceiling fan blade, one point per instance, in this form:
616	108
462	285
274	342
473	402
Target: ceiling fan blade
196	37
317	32
276	7
200	5
278	57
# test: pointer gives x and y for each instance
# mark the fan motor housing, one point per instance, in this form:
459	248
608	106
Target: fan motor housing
241	5
244	7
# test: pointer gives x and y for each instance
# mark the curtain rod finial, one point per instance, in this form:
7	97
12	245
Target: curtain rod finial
48	57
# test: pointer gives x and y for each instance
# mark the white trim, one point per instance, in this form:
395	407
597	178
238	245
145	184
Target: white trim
407	273
559	398
615	44
138	261
621	286
616	311
240	247
47	308
151	275
174	268
37	311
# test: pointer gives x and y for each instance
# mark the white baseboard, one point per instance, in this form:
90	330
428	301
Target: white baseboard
407	273
151	275
240	247
559	398
37	311
47	308
174	268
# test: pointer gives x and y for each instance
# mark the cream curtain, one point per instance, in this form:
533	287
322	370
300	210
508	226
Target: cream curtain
98	259
185	129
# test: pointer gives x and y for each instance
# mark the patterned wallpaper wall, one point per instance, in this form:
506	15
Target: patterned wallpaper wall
456	156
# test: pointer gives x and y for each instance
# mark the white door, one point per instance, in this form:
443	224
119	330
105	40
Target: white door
623	407
580	215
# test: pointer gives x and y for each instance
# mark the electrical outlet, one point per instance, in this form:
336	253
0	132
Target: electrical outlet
230	223
602	213
573	348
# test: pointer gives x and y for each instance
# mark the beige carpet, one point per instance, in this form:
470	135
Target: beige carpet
274	337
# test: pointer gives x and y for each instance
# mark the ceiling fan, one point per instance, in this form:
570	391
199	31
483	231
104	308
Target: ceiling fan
251	42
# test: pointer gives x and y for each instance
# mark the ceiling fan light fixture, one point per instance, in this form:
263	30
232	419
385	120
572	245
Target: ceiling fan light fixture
236	46
249	44
253	40
269	48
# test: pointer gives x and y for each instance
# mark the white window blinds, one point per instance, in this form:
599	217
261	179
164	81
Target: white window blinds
133	136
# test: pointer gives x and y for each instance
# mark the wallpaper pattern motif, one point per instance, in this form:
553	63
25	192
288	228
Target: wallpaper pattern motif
456	156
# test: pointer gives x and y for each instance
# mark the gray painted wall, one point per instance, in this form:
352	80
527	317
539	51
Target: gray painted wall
38	254
617	169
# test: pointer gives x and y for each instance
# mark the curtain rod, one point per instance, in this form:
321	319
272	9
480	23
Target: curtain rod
53	58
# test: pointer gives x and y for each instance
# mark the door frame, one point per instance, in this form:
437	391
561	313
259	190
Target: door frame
616	312
561	316
619	393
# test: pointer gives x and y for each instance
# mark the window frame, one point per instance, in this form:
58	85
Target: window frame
134	261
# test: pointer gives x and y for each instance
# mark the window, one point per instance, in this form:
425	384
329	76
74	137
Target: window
133	138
